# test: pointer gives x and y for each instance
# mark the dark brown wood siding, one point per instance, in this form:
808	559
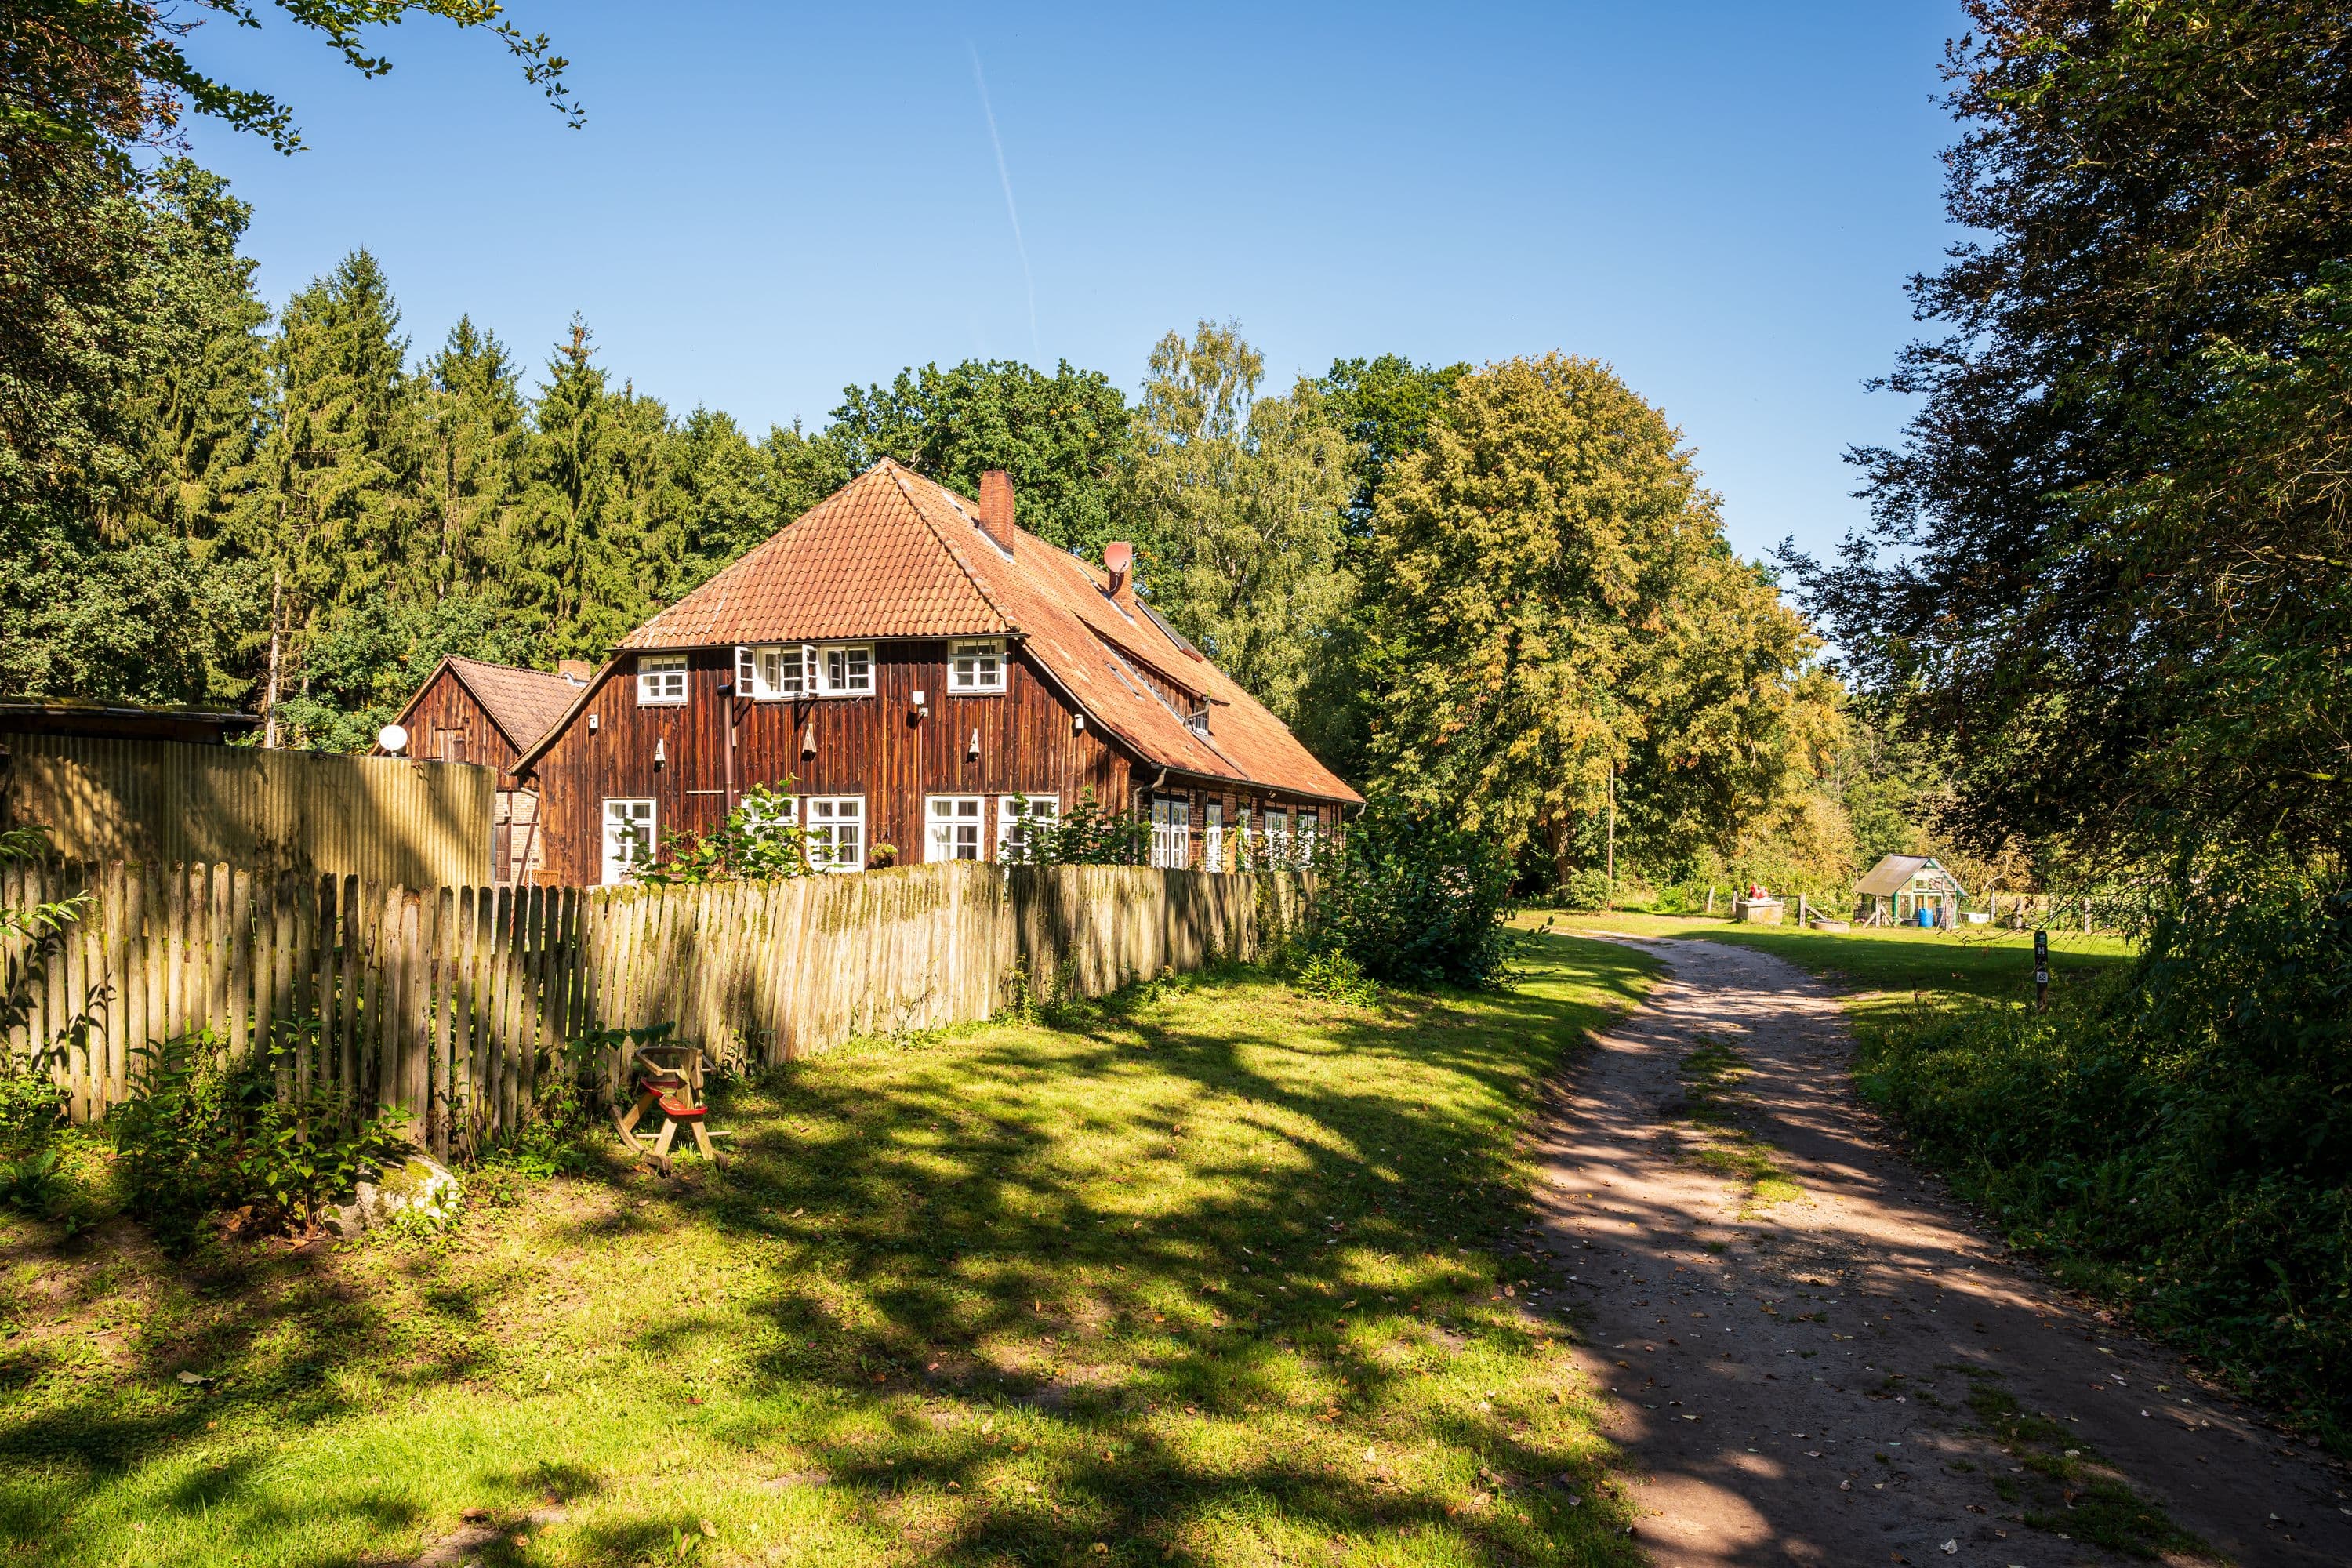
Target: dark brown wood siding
445	724
878	747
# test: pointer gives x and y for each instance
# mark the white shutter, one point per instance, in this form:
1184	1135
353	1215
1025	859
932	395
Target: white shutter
747	672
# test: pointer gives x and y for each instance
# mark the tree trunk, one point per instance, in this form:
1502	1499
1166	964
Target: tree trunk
269	694
1612	835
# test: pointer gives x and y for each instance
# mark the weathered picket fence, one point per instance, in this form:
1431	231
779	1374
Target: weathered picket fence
452	1002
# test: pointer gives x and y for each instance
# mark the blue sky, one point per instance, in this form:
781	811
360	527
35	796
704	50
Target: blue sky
772	201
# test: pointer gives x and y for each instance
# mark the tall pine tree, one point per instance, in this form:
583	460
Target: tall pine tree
578	568
477	445
332	516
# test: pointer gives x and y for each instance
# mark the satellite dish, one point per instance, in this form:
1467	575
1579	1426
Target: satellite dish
393	738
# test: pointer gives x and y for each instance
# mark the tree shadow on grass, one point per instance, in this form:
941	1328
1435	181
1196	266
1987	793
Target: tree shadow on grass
1209	1271
274	1340
1219	1277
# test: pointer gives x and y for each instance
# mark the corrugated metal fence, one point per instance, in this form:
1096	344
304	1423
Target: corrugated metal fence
386	819
452	1002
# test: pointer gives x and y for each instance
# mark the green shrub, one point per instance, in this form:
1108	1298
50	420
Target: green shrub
31	1102
1413	901
762	840
33	1184
207	1135
1334	974
1587	888
554	1139
1085	834
2179	1134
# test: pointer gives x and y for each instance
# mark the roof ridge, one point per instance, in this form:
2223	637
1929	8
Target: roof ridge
511	668
455	662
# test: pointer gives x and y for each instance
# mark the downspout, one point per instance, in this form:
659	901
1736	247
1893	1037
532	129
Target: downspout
732	717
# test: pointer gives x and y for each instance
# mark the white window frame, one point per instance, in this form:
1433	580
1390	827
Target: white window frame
1172	837
773	672
1278	835
944	818
820	831
1011	827
662	680
1212	837
986	659
843	651
605	836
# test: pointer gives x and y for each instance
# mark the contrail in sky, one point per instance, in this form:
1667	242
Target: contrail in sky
1010	210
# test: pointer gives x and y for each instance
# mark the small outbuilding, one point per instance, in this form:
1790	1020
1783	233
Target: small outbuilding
470	711
1909	889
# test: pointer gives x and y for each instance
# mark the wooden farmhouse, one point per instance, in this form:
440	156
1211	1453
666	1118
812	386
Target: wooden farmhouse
906	665
469	710
1900	888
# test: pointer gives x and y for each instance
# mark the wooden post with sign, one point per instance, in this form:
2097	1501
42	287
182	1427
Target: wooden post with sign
2041	971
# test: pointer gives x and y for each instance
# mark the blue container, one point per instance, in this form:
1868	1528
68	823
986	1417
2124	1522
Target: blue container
1927	918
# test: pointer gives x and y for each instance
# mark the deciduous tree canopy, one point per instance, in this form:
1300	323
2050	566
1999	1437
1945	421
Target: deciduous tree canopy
2111	565
1061	438
1236	500
1560	609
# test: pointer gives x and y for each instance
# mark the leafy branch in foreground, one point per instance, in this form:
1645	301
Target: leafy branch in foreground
90	73
31	1099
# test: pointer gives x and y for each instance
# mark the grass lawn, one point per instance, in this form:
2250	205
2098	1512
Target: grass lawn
1882	965
1210	1273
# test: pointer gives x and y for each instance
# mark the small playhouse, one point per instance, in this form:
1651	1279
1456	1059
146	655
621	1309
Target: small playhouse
1909	889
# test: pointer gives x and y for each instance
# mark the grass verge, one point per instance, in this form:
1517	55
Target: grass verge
1881	967
1711	1074
1210	1273
2061	1487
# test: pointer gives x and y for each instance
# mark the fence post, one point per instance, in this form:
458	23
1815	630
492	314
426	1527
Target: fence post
445	951
377	912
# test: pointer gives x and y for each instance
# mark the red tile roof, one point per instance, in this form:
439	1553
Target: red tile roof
523	703
855	564
892	554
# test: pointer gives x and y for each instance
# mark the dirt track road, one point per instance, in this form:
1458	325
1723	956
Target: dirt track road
1833	1379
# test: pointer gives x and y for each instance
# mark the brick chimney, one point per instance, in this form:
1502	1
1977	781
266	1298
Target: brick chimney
997	507
578	671
1119	560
